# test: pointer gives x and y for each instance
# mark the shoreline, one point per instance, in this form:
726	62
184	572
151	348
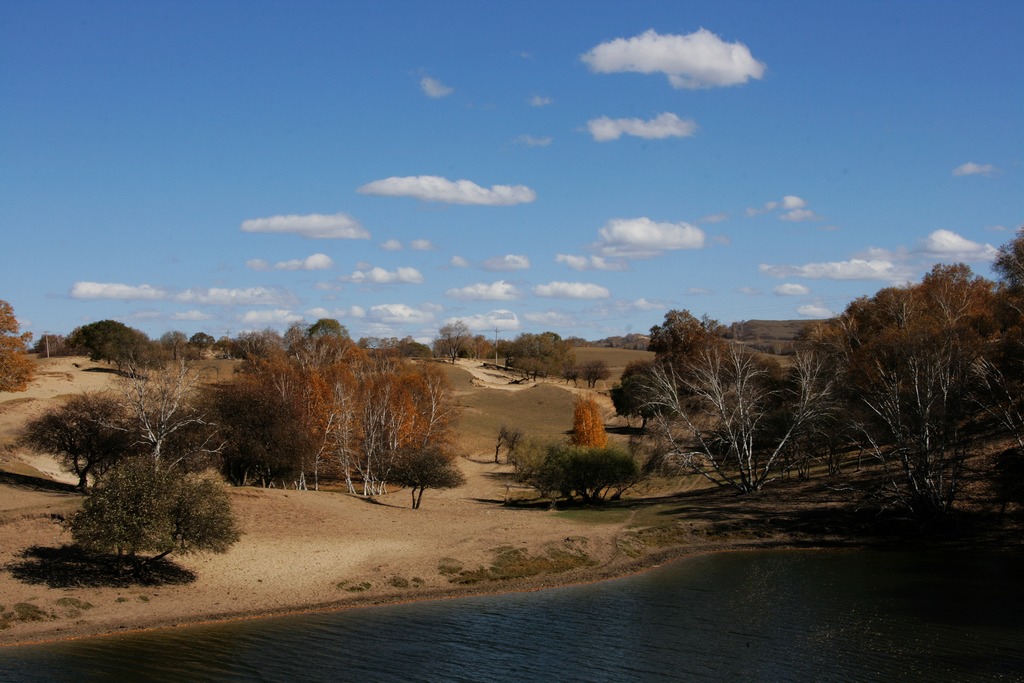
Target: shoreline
570	579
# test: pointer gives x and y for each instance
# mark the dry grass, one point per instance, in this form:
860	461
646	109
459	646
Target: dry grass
617	359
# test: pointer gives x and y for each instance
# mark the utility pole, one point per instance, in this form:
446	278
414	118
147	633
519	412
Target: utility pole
46	338
495	347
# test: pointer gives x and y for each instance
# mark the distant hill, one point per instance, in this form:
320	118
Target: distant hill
769	336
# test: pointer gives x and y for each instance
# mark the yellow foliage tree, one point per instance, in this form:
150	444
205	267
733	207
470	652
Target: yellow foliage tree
16	368
588	424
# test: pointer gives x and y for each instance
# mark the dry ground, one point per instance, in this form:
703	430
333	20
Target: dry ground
323	550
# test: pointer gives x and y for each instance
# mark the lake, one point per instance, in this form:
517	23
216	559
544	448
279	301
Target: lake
740	616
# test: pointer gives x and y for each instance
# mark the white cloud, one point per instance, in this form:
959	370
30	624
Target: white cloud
697	60
715	218
313	226
644	304
799	215
793	202
247	296
699	291
496	291
458	262
501	319
538	101
435	88
437	189
392	314
814	311
853	269
572	290
391	245
666	125
644	238
272	317
749	291
531	141
314	262
949	245
422	245
380	276
590	262
791	289
507	262
971	168
191	316
118	291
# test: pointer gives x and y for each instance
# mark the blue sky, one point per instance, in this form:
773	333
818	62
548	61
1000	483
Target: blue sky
580	167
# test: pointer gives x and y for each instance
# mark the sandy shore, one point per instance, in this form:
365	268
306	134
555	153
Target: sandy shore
300	550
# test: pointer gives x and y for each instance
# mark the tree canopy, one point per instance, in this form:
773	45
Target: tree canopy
16	368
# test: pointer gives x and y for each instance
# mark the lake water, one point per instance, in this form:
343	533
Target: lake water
750	616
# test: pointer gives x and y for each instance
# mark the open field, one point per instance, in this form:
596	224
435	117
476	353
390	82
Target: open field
304	550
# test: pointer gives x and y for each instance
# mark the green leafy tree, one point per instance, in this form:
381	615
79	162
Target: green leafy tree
578	471
139	508
425	468
113	342
88	434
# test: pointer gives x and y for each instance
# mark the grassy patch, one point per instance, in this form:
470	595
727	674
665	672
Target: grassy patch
22	612
635	541
355	587
517	563
448	566
73	607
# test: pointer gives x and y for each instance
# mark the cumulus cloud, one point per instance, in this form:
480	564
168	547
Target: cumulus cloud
590	262
246	296
791	208
458	262
117	291
666	125
434	88
391	245
422	245
392	314
314	262
644	238
749	291
501	319
278	316
507	262
572	290
495	291
791	289
696	60
437	189
946	244
643	304
853	269
312	226
531	141
380	276
539	101
971	168
814	311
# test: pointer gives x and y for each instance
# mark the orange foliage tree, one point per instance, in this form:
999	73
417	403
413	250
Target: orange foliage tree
16	368
588	424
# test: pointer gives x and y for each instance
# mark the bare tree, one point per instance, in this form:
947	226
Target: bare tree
715	417
452	339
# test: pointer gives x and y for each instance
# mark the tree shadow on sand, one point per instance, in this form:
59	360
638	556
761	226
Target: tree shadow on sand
68	566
